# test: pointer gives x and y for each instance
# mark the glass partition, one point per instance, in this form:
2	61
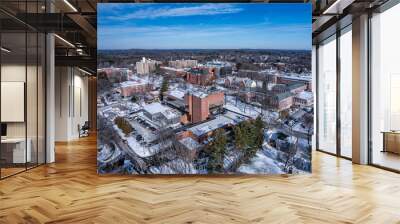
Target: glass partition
41	97
13	94
385	89
31	97
22	88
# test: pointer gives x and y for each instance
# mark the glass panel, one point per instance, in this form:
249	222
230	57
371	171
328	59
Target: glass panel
385	89
41	99
22	88
13	87
327	96
31	98
346	93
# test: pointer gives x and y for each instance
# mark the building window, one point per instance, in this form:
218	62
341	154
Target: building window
385	89
327	95
346	92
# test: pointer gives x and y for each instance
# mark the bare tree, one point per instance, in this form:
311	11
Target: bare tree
308	123
171	154
290	156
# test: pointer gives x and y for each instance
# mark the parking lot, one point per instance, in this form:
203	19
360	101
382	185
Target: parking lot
143	132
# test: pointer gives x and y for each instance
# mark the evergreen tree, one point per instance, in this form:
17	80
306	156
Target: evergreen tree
240	140
216	150
259	131
249	137
164	88
135	99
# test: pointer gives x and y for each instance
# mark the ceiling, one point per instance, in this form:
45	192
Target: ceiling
73	21
330	15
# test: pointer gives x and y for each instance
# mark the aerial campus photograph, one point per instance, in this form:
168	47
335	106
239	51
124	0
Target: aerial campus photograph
212	88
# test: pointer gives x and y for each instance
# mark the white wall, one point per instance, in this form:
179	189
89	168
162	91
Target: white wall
71	102
33	126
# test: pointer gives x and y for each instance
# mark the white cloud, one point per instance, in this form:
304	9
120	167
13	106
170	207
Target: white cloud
190	36
199	30
205	9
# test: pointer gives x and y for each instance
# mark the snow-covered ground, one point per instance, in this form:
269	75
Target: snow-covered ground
146	133
244	109
177	166
249	110
135	145
139	149
261	164
108	153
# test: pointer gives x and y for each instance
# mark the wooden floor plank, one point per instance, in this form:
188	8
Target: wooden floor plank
70	191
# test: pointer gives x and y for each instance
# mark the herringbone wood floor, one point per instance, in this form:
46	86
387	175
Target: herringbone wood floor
70	191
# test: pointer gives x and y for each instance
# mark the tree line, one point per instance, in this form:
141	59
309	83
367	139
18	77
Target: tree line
248	137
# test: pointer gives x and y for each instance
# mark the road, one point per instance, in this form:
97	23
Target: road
139	164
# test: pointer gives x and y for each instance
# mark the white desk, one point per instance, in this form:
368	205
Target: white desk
18	151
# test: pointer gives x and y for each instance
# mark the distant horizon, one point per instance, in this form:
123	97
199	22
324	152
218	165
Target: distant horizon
206	26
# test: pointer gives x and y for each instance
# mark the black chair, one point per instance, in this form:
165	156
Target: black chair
84	130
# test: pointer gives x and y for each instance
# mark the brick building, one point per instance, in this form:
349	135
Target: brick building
281	101
200	76
128	88
294	79
304	99
182	64
116	74
199	104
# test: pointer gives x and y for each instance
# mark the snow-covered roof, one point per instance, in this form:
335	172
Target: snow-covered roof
154	108
237	118
218	122
134	82
198	92
170	114
300	78
305	95
177	93
218	63
172	69
190	143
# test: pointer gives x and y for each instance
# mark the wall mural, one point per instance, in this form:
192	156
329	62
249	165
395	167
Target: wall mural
204	88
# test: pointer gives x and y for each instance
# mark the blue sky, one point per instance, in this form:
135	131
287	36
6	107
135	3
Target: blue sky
204	26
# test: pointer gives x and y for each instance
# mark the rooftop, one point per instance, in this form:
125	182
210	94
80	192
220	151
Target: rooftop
199	71
177	93
219	122
305	95
218	63
295	85
222	120
154	108
190	143
134	82
282	96
172	69
203	92
298	77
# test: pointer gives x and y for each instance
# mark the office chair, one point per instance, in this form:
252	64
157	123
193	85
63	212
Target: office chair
84	130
